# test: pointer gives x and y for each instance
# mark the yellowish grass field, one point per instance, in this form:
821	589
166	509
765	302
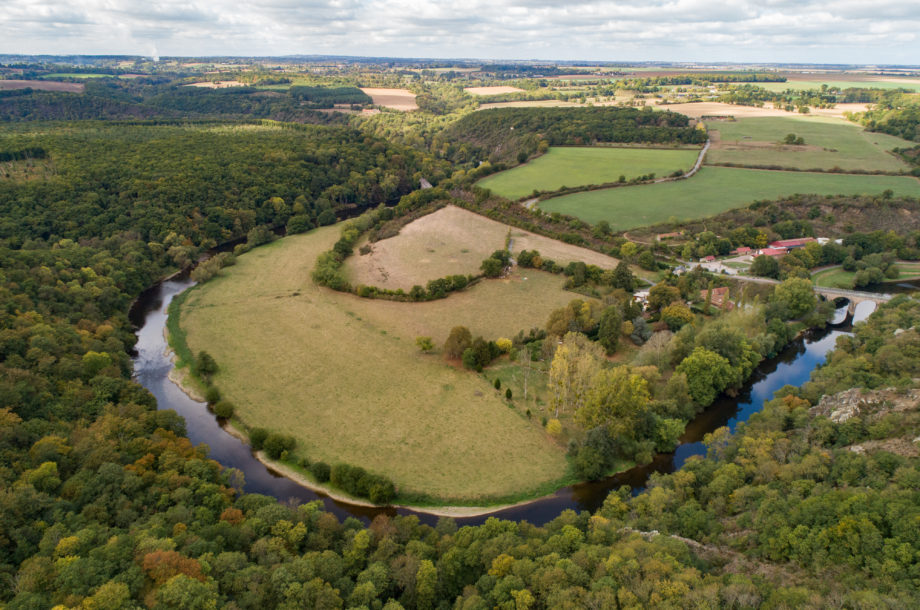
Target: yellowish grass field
491	90
698	109
452	241
397	99
42	85
344	376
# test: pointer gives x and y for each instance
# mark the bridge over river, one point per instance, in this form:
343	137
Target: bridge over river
855	297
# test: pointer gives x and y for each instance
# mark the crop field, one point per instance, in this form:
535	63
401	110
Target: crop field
343	374
701	109
397	99
713	190
452	241
42	85
829	143
878	83
579	166
837	277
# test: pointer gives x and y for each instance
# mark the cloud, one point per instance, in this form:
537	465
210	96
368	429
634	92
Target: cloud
837	31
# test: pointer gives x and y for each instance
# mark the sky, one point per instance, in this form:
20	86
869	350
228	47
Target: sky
780	31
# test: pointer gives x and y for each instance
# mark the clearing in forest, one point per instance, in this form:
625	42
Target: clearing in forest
713	190
452	241
397	99
704	109
343	374
828	143
580	166
497	90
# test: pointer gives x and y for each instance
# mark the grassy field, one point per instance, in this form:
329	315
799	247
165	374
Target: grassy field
829	143
836	277
571	166
452	241
344	376
881	83
713	190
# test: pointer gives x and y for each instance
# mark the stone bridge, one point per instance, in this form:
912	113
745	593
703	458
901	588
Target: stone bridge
855	297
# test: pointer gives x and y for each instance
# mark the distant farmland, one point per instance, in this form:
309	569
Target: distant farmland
579	166
42	85
714	190
397	99
829	143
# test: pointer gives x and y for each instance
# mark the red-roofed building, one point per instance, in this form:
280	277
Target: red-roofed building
709	259
773	251
788	244
742	250
720	298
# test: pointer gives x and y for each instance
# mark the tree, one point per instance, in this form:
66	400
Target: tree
623	277
707	374
662	295
491	267
614	401
676	315
426	582
205	365
608	330
765	266
629	249
457	342
795	296
574	365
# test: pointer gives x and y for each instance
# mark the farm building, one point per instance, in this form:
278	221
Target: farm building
720	298
789	244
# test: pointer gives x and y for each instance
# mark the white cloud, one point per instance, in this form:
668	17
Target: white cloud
841	31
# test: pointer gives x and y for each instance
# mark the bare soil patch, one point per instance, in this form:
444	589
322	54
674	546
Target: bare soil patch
42	85
397	99
453	241
497	90
221	84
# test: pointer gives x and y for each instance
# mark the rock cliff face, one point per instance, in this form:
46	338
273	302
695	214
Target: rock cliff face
872	403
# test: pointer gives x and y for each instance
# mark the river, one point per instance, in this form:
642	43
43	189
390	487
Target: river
152	364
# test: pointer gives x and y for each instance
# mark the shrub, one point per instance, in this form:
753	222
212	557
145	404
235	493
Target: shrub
212	395
498	383
276	444
504	344
424	343
508	393
320	471
459	339
554	427
224	409
257	438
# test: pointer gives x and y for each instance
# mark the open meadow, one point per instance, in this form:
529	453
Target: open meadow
343	374
42	85
880	82
837	277
713	190
704	109
452	241
579	166
829	143
497	90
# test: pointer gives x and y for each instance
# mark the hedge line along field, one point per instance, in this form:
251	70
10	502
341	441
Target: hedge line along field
713	190
452	241
343	374
579	166
829	143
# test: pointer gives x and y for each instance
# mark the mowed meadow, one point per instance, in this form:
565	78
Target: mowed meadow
452	241
713	190
829	143
343	374
581	166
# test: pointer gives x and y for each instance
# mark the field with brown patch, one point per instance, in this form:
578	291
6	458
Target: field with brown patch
42	85
452	241
221	84
397	99
700	109
492	90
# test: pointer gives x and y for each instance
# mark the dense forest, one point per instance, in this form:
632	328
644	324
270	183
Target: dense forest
513	134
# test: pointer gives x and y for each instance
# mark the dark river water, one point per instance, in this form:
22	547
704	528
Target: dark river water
152	365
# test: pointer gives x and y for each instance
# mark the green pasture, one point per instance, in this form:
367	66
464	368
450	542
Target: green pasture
802	85
837	277
579	166
829	143
713	190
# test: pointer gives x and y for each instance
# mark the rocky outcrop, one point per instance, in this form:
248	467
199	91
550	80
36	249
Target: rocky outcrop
858	402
